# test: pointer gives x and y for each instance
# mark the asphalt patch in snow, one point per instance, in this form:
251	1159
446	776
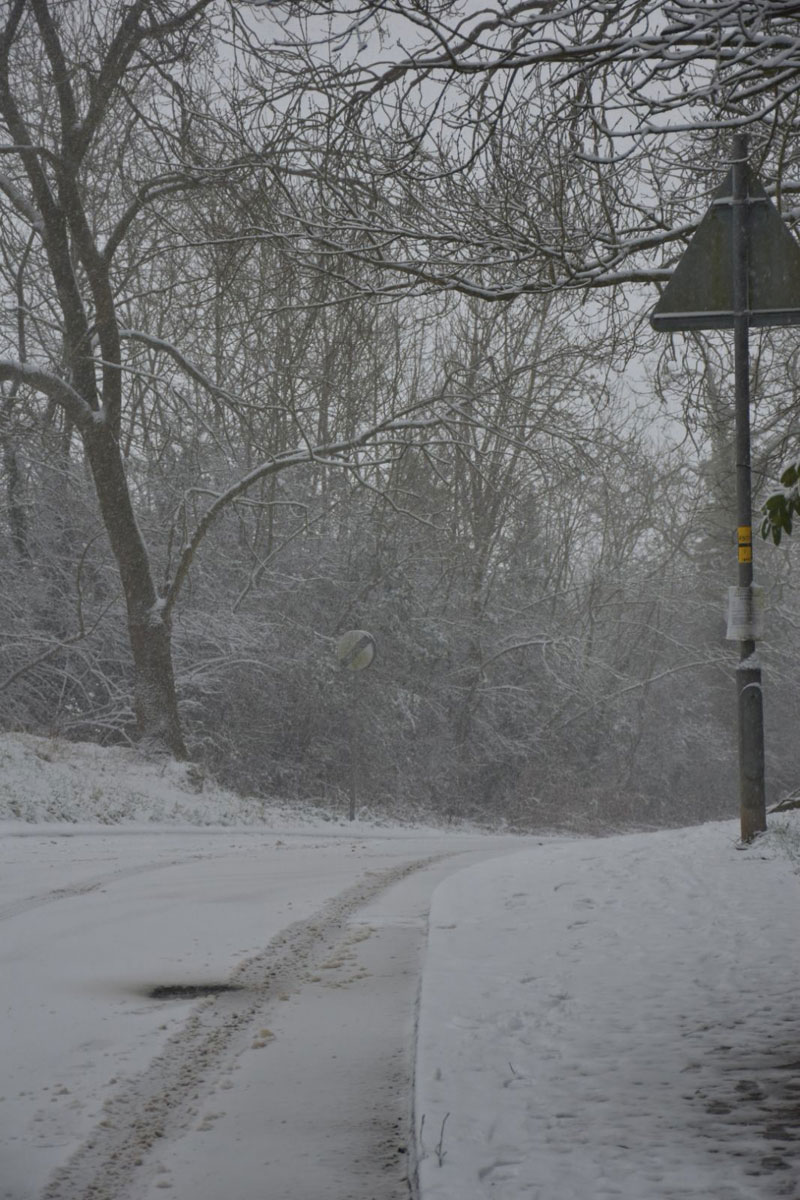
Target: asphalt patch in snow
189	991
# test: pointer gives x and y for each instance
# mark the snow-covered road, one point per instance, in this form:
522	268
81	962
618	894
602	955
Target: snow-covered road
297	1081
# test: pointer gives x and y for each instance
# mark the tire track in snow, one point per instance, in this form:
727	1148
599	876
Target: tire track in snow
93	884
163	1100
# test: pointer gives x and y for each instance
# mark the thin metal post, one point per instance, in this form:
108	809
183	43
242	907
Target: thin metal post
352	728
351	814
748	674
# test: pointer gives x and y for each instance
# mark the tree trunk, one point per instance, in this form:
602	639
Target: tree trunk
155	700
16	507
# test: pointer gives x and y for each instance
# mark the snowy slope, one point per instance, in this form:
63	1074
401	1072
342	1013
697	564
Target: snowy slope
49	779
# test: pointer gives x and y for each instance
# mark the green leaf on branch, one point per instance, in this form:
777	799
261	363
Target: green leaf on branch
781	507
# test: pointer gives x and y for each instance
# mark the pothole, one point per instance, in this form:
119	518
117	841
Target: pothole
190	991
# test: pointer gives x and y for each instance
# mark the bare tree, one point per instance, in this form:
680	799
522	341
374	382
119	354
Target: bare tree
54	105
111	118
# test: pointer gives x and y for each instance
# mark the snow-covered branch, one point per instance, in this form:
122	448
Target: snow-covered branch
740	44
51	386
188	367
21	203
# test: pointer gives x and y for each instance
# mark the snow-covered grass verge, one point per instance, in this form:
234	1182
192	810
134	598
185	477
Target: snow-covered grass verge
54	781
45	780
615	1018
783	834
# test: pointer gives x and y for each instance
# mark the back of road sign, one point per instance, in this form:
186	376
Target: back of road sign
700	293
355	649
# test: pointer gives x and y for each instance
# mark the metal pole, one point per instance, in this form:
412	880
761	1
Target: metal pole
352	722
748	674
353	775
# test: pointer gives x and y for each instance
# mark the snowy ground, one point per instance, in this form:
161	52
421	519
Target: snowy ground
615	1018
599	1018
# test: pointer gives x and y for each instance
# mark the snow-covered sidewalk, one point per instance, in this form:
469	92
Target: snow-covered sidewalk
614	1018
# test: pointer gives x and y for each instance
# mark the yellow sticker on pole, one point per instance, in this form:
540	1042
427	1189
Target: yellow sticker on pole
745	540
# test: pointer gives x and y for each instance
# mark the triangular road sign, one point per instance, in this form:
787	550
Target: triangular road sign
700	293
